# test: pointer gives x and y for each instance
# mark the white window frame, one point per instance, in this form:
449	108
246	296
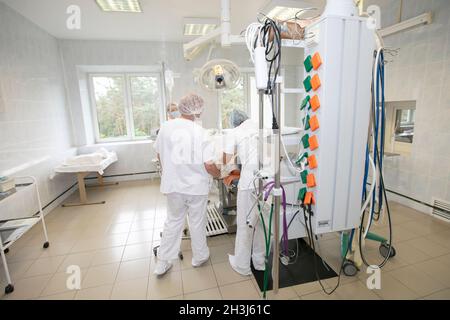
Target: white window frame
246	78
246	74
391	145
128	103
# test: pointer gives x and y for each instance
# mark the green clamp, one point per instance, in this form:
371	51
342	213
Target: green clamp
306	122
305	141
304	175
308	64
307	84
301	194
305	102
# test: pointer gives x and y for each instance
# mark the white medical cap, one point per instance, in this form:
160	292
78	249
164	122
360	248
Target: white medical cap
192	104
236	118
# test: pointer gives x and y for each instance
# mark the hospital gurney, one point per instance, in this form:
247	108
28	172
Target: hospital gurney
83	169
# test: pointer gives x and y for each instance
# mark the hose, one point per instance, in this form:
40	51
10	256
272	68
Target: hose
378	154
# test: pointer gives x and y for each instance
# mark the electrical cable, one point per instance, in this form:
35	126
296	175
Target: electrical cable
378	152
308	225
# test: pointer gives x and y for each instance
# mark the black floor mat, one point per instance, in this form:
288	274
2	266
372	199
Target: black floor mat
302	271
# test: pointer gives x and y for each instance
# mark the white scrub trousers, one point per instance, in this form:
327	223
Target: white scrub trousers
249	241
178	205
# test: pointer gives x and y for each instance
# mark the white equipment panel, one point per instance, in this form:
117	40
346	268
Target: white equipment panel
346	46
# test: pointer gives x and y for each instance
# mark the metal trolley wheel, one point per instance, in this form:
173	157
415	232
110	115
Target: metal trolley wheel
384	250
9	289
349	268
155	253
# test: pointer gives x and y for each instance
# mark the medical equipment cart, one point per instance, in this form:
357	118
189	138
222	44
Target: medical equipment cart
12	228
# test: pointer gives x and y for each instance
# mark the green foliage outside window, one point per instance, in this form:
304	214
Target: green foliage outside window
114	114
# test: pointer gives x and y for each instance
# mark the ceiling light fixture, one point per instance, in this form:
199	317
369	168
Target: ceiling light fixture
199	26
119	5
287	9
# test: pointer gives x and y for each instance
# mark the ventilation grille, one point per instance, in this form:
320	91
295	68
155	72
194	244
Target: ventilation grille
441	209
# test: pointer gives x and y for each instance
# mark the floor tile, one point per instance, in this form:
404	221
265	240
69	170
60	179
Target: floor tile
428	246
137	251
135	289
44	266
198	279
113	246
283	294
393	289
226	275
416	280
220	253
410	254
210	294
100	275
243	290
440	295
96	293
310	287
106	256
140	237
60	296
169	285
356	291
28	288
436	270
133	269
82	260
58	284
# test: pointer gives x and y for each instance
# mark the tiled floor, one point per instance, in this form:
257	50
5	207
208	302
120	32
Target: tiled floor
112	245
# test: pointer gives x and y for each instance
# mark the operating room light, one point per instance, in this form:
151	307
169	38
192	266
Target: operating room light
120	5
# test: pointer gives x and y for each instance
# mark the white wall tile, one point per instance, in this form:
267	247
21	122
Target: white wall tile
35	132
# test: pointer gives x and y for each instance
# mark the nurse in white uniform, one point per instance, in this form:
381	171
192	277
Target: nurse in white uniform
249	245
186	159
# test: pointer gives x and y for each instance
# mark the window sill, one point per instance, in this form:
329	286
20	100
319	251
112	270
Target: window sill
121	143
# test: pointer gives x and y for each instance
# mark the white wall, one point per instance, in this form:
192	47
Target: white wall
421	72
35	128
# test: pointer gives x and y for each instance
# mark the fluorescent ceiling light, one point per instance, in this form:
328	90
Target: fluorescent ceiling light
199	26
120	5
287	9
283	13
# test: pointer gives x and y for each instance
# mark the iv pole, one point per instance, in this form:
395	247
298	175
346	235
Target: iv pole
277	190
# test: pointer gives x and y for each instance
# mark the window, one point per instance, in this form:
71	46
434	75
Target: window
126	106
400	126
246	98
233	99
404	125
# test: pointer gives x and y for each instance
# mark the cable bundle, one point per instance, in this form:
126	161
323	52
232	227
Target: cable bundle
377	190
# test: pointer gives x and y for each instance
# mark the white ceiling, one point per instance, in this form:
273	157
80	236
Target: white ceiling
162	20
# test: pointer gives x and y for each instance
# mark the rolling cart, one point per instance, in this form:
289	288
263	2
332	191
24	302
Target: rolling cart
13	227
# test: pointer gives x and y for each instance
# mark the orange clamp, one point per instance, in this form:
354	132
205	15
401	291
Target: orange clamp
312	161
314	123
313	143
315	82
314	102
316	61
309	198
311	180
